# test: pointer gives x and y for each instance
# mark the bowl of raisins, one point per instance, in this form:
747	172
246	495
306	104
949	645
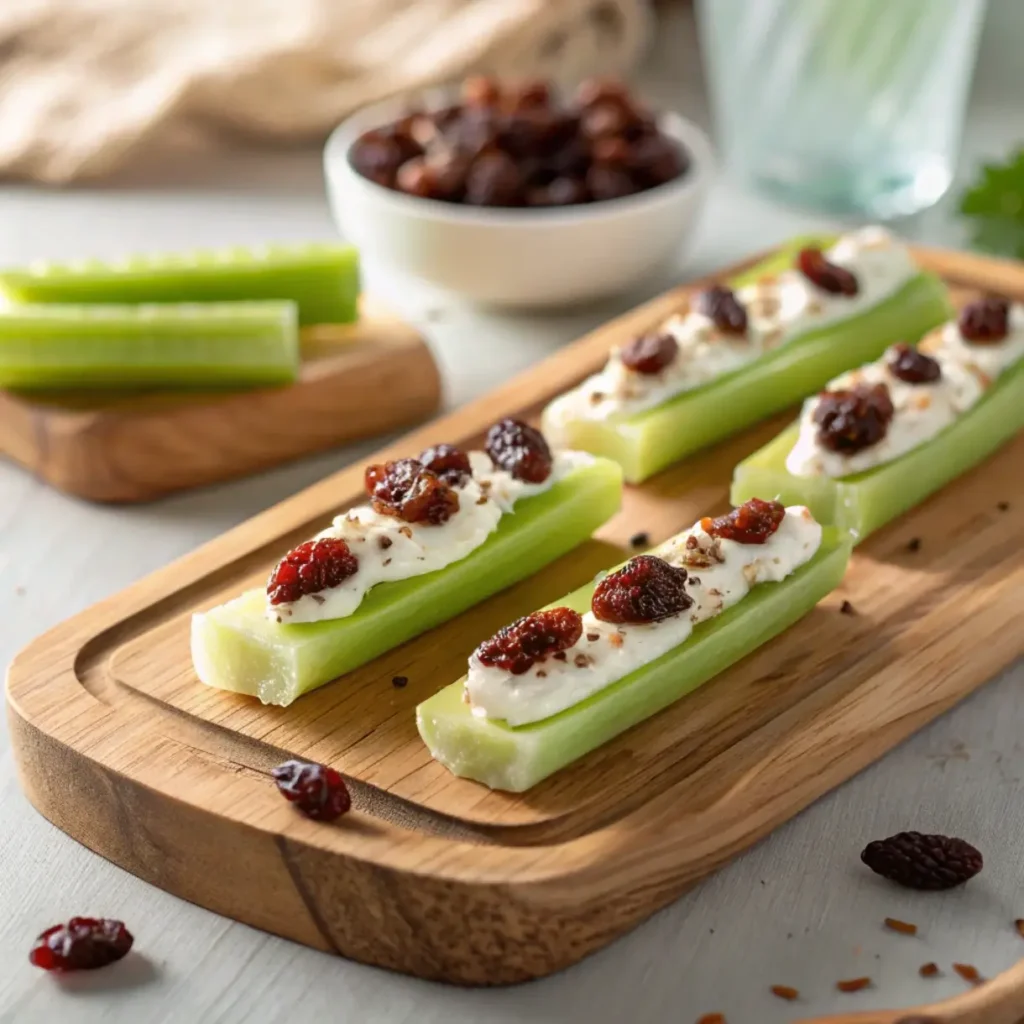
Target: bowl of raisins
516	195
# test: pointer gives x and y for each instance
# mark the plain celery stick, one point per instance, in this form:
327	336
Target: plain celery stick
190	345
864	502
321	279
515	759
235	647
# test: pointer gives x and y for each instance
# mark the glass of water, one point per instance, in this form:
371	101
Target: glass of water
850	106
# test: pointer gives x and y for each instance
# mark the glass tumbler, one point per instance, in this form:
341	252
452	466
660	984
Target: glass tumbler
854	107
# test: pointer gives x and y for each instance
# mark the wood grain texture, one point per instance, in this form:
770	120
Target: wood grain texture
436	876
114	447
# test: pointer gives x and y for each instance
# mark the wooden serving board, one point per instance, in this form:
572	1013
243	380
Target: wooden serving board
118	447
121	747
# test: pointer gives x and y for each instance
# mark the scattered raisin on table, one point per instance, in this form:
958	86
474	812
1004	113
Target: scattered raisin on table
409	491
913	366
311	567
519	449
517	647
650	353
829	277
852	419
928	862
645	589
753	522
83	944
318	791
986	321
451	464
724	309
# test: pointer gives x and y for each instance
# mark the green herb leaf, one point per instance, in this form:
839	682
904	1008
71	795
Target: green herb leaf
995	205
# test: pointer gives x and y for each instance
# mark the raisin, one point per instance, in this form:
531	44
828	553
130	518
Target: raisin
722	306
986	321
83	944
753	522
494	179
605	119
827	276
481	91
519	449
536	93
451	464
318	791
919	861
607	182
913	366
650	353
561	191
655	159
311	567
407	490
399	682
850	420
516	648
377	155
645	589
595	91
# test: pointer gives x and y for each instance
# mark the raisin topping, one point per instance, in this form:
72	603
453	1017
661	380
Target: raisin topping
519	449
407	490
926	862
650	353
753	522
645	589
829	277
311	567
850	420
516	648
451	464
722	306
318	791
83	944
986	321
912	366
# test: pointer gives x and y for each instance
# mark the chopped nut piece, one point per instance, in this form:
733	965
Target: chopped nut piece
903	927
785	992
615	639
593	636
384	541
853	984
581	660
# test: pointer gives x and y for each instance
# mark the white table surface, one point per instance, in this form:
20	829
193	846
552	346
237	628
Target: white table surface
798	909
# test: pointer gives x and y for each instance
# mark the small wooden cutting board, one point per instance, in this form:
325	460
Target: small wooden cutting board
356	380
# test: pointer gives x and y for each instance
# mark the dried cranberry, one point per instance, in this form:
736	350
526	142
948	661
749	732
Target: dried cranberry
645	589
311	567
516	648
494	179
451	464
650	353
912	366
722	306
607	182
318	791
753	522
827	276
407	490
83	944
519	449
377	155
986	321
855	418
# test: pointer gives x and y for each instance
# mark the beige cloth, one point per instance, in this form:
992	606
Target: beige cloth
90	86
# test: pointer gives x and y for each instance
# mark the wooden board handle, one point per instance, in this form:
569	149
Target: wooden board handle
999	1001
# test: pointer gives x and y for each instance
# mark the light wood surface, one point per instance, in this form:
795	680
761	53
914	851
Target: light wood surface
114	447
440	878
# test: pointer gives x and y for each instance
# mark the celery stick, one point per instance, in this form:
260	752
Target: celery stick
864	502
649	441
235	647
210	344
321	279
515	759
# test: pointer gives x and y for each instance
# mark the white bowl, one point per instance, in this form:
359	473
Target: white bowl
515	257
